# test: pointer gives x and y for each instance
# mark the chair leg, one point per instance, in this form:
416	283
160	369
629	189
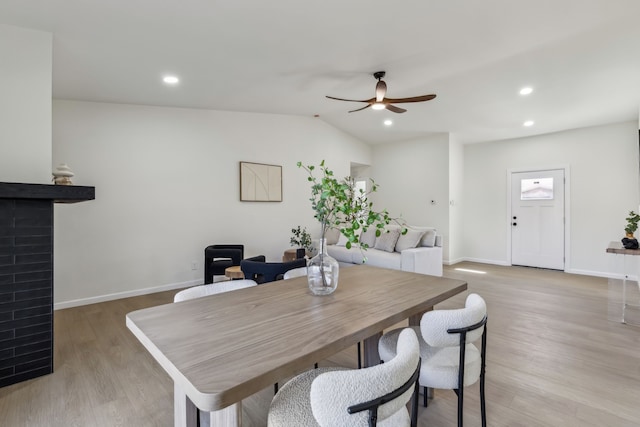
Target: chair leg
483	410
359	356
414	404
460	400
426	396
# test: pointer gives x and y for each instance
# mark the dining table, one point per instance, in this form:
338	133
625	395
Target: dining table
223	348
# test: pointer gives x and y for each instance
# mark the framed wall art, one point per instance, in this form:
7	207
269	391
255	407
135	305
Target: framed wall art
260	182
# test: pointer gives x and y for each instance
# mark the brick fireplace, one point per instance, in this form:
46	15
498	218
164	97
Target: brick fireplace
26	276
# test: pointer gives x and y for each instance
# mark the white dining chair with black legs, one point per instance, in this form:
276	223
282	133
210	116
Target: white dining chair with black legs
450	360
335	397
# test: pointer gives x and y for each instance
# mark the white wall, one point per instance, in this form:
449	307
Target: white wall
167	185
25	105
411	174
456	201
603	164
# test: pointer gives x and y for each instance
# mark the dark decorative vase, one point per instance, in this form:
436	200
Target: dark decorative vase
630	243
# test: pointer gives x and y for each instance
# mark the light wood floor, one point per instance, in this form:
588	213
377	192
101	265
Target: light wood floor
553	360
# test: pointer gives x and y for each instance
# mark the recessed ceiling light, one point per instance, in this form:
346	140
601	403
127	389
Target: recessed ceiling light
171	80
526	90
528	123
388	122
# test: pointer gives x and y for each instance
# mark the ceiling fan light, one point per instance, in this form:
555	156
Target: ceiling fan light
378	106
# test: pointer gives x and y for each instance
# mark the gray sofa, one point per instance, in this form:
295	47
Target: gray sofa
418	251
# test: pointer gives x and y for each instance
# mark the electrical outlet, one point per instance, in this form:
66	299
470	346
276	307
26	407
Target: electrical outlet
194	265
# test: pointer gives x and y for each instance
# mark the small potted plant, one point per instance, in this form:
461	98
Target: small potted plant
629	242
302	239
632	224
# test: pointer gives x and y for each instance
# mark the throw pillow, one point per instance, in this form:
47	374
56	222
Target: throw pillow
369	237
342	240
429	238
387	240
409	240
332	235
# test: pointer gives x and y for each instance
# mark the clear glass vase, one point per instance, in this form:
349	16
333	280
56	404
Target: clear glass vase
322	272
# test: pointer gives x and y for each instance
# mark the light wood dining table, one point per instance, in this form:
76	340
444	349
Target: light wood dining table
223	348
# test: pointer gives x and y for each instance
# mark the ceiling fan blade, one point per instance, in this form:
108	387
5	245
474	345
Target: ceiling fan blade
381	90
351	100
395	109
360	109
412	99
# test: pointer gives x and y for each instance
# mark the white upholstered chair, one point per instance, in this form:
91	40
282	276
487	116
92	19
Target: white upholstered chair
443	333
296	272
334	397
212	289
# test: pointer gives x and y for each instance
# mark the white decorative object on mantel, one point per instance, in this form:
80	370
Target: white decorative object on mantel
62	175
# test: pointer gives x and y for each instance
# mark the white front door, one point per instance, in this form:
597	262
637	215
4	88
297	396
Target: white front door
537	219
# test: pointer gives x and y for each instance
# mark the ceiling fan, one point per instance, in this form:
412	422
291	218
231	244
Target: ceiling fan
380	102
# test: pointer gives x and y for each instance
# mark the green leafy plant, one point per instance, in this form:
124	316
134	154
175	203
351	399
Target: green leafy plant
301	239
632	223
339	204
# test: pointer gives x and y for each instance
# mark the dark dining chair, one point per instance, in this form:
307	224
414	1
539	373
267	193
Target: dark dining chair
218	258
264	272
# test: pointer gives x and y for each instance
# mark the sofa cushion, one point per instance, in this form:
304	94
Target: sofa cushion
342	240
332	235
409	240
342	254
387	240
369	237
377	258
429	236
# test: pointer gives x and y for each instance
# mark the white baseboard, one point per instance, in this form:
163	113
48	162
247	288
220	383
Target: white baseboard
604	274
126	294
486	261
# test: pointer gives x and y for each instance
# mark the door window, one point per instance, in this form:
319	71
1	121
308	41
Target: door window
536	189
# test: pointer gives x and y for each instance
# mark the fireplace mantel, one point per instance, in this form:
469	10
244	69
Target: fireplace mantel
57	193
26	276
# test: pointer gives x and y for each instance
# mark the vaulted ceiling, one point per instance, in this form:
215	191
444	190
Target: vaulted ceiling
581	57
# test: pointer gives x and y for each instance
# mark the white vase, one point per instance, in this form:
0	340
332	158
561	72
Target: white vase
322	272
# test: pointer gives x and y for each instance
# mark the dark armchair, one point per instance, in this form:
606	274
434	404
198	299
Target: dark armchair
264	272
218	257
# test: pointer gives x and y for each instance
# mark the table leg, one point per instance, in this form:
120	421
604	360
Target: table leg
185	412
371	356
415	319
229	416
